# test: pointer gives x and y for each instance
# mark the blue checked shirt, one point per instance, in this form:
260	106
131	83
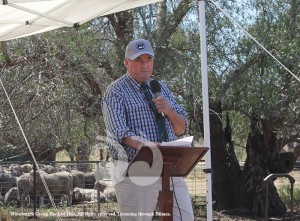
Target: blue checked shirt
127	113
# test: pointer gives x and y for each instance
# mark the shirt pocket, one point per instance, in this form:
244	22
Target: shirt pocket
138	111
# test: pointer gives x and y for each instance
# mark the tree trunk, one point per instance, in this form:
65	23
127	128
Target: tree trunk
82	155
122	22
237	189
225	166
256	169
45	153
166	25
282	163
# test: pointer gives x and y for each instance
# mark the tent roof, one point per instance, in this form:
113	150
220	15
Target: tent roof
20	18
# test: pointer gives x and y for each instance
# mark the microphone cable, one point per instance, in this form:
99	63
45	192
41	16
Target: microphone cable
176	198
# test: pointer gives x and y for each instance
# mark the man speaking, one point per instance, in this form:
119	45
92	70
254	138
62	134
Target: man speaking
135	116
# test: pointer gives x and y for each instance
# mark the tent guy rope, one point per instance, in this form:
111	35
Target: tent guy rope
259	44
29	147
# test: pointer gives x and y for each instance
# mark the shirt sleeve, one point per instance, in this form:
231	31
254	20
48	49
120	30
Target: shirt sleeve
174	104
115	117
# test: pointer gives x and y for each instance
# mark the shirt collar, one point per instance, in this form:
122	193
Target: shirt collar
135	83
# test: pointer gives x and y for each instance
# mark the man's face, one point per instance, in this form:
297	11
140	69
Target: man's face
140	68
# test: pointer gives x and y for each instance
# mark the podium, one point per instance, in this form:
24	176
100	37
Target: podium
177	162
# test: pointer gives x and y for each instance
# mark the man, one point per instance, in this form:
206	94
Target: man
131	121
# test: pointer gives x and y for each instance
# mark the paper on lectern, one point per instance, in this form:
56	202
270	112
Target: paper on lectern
183	142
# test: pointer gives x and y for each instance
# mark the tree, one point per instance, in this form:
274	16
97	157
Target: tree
56	86
248	81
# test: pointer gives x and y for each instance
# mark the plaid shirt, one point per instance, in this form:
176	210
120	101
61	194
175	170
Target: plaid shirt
127	113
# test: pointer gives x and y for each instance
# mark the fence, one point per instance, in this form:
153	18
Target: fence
87	201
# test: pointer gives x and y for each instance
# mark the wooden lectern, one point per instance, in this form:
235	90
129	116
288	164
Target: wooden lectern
177	162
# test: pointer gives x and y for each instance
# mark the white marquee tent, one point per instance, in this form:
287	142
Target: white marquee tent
20	18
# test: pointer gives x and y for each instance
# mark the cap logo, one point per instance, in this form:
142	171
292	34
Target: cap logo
140	46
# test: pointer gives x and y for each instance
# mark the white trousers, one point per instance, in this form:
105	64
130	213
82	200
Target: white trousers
138	202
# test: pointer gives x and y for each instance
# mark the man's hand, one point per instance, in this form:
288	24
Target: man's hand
177	121
138	143
162	105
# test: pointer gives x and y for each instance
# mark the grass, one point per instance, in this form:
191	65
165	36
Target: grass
5	214
285	195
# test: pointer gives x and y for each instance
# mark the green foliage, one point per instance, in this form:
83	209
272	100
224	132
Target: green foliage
285	195
240	129
5	214
242	75
199	205
57	78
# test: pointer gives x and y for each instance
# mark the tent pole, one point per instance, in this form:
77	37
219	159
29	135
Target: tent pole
205	98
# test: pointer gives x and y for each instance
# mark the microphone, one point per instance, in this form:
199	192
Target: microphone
156	89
